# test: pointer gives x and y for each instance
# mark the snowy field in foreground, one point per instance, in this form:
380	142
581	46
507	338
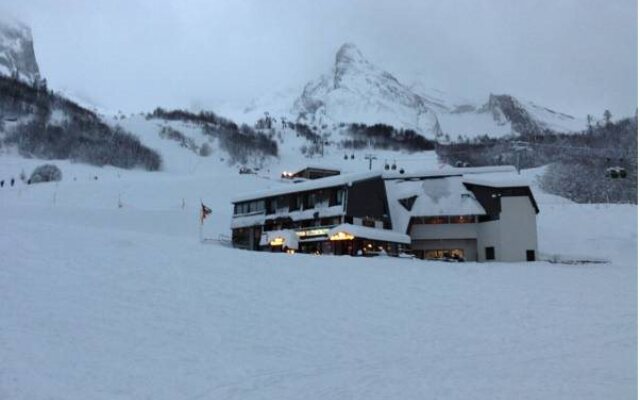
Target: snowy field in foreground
98	302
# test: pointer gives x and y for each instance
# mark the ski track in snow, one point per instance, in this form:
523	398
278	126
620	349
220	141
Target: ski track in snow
106	303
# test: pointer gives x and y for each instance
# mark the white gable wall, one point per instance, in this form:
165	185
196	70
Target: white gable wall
513	234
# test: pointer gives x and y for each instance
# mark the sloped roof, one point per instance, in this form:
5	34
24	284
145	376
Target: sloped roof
451	171
320	183
434	197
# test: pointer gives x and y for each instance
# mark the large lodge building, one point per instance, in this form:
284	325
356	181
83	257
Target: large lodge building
472	214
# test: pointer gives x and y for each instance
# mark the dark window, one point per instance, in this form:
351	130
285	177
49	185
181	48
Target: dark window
329	221
370	222
254	206
336	197
242	208
271	206
281	202
340	196
490	253
309	201
435	220
333	198
241	237
531	255
294	203
408	202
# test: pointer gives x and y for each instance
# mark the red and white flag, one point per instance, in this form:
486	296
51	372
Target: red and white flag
204	212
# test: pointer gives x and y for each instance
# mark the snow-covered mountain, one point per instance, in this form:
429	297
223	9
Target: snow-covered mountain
355	90
17	56
504	114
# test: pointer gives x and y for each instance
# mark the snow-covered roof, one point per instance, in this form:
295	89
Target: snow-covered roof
497	182
288	236
433	197
451	171
320	183
366	232
300	168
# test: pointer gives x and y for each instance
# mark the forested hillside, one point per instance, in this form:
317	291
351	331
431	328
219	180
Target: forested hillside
596	165
241	142
45	125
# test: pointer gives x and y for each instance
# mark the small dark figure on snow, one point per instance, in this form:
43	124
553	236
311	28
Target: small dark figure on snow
13	181
2	183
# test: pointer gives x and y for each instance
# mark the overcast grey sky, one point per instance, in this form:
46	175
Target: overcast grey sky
576	56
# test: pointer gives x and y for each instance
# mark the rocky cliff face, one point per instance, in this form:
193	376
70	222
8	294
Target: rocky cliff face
17	57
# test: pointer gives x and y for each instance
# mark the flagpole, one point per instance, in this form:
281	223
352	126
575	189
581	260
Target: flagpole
204	211
201	221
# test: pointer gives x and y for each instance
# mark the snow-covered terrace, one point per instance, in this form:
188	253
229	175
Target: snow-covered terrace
365	232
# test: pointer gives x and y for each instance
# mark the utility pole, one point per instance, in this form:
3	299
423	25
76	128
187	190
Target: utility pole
519	148
370	157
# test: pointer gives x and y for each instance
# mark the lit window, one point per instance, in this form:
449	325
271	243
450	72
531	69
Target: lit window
462	219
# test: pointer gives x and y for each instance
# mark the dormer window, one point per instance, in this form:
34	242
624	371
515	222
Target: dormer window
408	202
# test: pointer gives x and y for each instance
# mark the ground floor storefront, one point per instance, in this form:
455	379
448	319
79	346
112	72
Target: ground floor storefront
343	239
351	247
446	249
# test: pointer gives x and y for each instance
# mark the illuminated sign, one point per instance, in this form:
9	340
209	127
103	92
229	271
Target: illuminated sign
313	232
342	236
277	241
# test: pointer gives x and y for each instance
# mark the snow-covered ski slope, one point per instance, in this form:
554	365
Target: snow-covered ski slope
103	302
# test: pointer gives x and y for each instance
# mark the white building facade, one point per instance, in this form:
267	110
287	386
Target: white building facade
464	214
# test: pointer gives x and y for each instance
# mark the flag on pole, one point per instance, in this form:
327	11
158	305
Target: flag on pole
204	212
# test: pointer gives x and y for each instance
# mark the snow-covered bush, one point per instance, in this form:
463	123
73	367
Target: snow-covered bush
168	132
46	173
205	150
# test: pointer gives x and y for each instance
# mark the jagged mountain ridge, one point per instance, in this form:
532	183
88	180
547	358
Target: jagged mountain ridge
357	91
17	56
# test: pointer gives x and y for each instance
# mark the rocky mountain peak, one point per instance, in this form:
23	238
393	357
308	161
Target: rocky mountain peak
349	53
357	90
17	57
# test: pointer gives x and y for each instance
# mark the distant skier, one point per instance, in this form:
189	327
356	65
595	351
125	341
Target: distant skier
2	183
13	181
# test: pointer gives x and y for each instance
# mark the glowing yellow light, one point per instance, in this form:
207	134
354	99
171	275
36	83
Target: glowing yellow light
313	232
291	251
277	241
342	236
